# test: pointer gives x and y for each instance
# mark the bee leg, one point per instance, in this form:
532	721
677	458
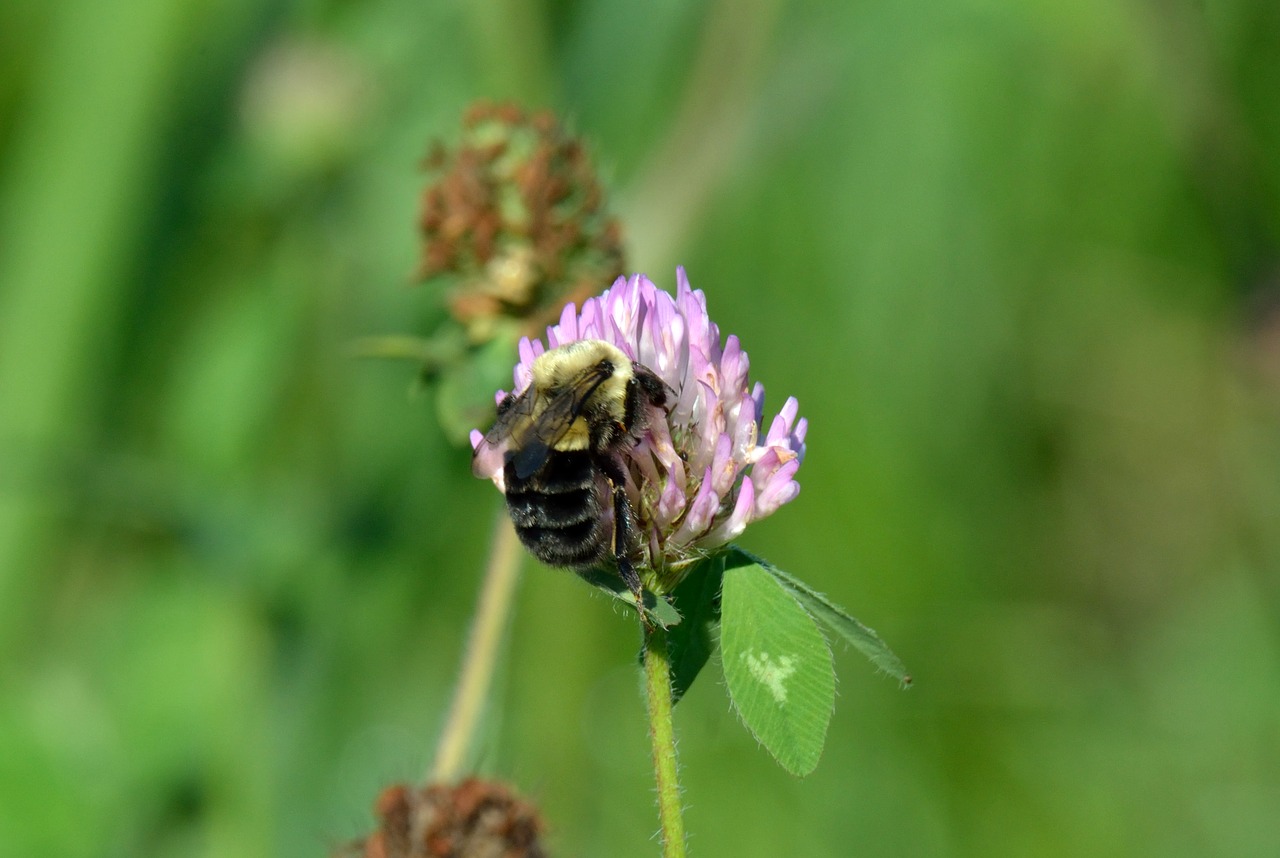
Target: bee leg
621	525
622	532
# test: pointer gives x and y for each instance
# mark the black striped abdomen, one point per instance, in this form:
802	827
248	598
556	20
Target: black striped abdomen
561	512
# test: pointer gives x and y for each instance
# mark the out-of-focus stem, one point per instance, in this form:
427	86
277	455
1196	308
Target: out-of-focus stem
657	684
708	134
492	611
433	354
513	44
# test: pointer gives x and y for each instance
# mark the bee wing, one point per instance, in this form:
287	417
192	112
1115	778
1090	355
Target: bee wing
545	431
532	429
526	431
514	415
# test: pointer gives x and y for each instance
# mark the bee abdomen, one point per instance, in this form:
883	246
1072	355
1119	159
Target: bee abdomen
558	513
583	544
531	509
563	529
563	471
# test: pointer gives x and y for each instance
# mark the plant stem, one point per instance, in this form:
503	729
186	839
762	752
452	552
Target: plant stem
657	673
500	579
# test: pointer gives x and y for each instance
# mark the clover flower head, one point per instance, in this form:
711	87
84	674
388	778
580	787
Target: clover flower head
709	463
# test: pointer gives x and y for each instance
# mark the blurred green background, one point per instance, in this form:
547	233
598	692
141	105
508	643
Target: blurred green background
1018	261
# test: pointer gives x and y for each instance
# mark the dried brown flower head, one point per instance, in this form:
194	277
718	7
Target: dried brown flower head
474	819
516	217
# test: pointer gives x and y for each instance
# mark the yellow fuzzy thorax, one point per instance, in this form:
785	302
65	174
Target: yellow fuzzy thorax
567	366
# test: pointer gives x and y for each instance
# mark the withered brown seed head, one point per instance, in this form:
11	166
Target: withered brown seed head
474	819
514	217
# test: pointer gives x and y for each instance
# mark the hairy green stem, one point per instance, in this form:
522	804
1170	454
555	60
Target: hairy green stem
657	684
492	611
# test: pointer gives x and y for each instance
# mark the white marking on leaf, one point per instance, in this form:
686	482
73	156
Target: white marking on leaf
772	673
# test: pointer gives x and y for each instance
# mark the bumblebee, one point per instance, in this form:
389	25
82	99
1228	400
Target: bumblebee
561	444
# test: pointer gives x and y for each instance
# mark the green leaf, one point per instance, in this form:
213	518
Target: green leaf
691	643
836	618
656	608
464	396
776	664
